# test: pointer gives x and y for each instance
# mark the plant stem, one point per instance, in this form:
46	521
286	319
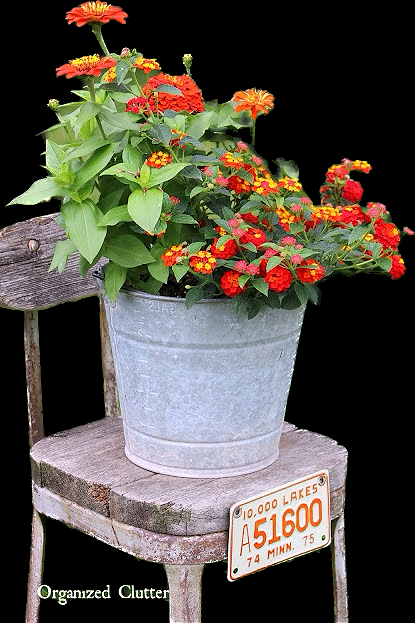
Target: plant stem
91	87
96	29
253	131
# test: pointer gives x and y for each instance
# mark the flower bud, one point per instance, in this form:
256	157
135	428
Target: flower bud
187	62
53	104
125	52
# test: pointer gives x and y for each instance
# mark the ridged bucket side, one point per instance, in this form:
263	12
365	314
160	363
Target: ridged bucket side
202	391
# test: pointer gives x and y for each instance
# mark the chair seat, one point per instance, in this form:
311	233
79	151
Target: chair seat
87	466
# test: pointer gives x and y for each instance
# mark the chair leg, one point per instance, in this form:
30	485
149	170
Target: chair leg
36	567
338	552
185	592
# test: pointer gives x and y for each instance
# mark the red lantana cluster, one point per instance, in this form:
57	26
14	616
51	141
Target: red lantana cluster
158	159
256	179
279	279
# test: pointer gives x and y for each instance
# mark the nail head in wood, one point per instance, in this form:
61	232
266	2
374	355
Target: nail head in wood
33	245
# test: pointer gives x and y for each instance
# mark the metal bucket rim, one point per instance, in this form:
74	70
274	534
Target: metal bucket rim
99	274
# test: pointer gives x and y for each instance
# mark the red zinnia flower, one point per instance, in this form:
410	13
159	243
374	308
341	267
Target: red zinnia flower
254	100
85	66
190	100
229	283
279	278
95	12
352	191
312	274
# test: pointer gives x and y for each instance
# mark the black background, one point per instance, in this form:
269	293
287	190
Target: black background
341	90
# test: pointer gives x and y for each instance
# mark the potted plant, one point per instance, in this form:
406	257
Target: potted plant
211	258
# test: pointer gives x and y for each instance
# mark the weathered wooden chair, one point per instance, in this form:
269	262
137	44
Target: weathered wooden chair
82	478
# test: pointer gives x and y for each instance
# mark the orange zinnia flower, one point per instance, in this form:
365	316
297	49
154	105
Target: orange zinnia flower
95	12
254	100
85	66
146	64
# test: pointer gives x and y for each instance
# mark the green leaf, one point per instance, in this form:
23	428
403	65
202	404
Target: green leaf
132	157
290	300
260	285
116	215
115	276
197	190
179	270
194	247
87	147
42	190
168	88
126	250
287	167
88	111
63	249
95	163
313	293
253	307
183	218
145	175
145	207
356	233
193	295
119	120
242	279
295	228
375	248
158	176
161	132
121	170
273	300
54	156
81	221
384	263
159	270
301	292
121	70
274	261
199	124
223	240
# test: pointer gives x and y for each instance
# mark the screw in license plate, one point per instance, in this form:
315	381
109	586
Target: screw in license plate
321	480
237	512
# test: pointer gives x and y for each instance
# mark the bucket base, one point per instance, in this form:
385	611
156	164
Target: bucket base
202	472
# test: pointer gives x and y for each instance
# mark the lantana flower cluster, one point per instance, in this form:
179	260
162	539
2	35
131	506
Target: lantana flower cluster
157	180
279	242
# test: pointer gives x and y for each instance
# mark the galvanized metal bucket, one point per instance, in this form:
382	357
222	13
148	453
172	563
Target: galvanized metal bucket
202	391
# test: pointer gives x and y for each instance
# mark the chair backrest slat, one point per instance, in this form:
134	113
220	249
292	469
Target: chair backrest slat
34	388
26	251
